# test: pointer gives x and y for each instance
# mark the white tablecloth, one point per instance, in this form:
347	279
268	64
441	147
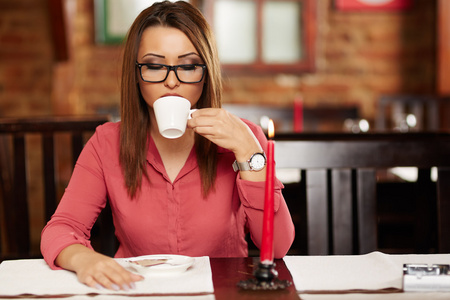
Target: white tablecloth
373	272
34	277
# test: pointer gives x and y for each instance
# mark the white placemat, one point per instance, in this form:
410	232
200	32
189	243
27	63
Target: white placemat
34	277
375	271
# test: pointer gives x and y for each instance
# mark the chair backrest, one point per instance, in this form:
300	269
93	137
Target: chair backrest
339	171
16	176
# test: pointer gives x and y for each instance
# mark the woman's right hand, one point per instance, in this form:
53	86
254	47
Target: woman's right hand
95	269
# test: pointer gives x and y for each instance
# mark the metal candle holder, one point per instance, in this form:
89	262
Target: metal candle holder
265	278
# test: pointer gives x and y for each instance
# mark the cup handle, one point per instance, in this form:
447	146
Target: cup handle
191	112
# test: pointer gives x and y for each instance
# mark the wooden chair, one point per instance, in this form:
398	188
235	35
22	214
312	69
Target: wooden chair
339	177
15	177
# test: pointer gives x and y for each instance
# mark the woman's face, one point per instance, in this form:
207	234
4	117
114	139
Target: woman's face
169	46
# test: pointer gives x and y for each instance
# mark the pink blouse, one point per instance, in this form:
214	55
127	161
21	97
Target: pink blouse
166	217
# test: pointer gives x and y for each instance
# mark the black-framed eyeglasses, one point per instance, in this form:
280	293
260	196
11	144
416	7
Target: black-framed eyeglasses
189	73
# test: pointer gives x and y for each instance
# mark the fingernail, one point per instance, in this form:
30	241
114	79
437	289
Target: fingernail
139	277
125	287
133	285
99	286
115	287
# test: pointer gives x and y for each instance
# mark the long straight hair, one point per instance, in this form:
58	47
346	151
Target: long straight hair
135	118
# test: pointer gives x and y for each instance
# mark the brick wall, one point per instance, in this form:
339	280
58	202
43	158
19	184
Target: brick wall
25	58
89	82
359	57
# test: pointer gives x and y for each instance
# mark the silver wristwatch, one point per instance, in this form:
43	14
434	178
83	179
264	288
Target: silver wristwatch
256	163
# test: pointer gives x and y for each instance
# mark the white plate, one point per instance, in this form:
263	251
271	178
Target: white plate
173	264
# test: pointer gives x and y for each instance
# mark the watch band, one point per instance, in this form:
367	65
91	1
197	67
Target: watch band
241	166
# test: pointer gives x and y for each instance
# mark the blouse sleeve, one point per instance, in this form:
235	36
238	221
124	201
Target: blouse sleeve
82	202
252	198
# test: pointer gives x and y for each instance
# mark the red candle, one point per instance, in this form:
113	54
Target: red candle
298	114
266	255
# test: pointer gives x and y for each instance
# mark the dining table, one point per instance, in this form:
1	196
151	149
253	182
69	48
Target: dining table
372	276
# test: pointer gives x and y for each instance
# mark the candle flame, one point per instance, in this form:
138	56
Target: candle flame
270	129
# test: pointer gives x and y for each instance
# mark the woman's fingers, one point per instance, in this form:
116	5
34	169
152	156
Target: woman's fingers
217	122
96	270
110	275
224	129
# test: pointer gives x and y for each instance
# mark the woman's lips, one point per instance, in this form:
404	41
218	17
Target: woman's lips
167	95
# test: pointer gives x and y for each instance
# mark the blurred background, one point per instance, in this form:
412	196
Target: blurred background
311	65
63	57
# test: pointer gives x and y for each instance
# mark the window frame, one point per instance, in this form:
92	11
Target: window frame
309	32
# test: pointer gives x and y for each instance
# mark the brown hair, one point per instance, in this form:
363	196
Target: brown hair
135	119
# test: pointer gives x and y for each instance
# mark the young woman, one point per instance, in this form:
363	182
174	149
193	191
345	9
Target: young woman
168	196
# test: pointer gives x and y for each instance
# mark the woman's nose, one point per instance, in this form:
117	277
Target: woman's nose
172	80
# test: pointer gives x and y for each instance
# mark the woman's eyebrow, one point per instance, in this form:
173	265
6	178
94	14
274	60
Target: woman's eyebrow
153	54
162	56
188	54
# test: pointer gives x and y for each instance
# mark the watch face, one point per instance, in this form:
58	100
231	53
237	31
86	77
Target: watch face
257	162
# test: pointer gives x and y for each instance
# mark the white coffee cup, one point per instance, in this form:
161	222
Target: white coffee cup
172	113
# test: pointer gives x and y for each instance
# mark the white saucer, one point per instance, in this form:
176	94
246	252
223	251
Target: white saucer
173	264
